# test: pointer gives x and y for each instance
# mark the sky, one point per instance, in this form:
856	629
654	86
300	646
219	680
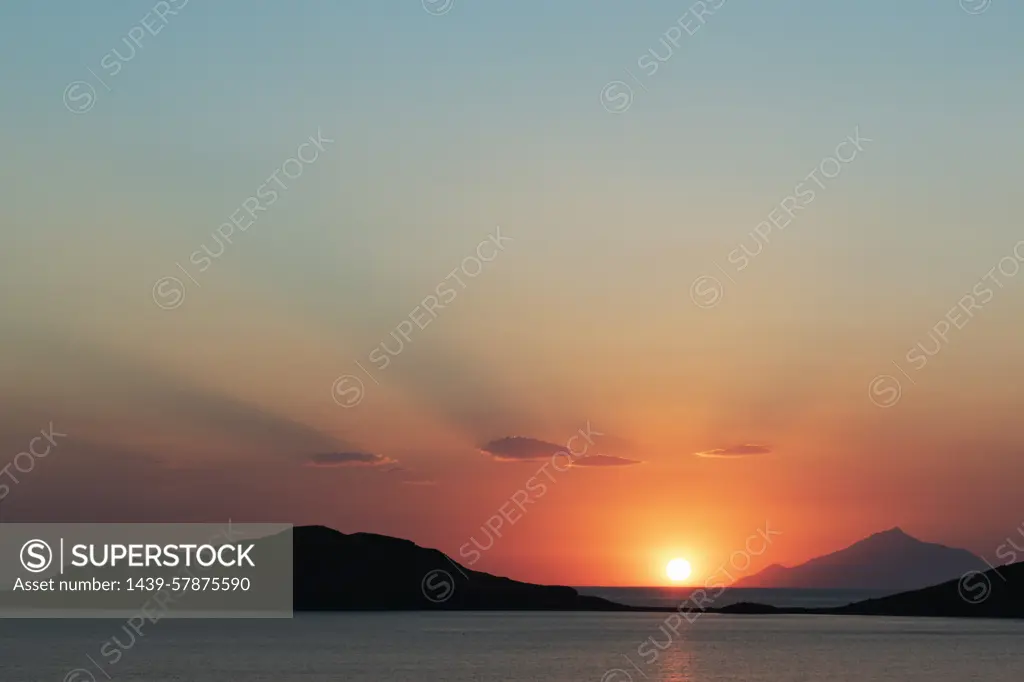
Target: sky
764	256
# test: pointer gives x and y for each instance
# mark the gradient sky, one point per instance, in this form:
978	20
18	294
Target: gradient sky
445	126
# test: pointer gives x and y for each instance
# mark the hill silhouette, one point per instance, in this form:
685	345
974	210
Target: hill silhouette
996	593
890	560
334	571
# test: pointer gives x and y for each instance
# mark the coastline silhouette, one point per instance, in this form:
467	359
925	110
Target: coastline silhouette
335	571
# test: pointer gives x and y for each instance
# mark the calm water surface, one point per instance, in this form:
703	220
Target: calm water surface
493	647
672	597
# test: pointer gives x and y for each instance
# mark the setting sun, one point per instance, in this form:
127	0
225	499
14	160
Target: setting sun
678	569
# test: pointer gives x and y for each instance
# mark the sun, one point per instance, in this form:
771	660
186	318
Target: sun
678	569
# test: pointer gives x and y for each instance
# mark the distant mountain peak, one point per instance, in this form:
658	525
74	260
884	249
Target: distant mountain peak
895	534
896	531
889	559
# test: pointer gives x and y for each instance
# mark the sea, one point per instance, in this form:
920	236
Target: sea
673	597
515	647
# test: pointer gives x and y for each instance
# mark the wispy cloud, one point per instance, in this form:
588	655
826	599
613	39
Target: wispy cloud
348	459
407	477
604	461
745	450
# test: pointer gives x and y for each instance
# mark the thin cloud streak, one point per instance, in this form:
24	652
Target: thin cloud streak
348	459
746	450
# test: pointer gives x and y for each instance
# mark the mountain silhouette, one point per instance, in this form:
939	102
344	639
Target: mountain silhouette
890	560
